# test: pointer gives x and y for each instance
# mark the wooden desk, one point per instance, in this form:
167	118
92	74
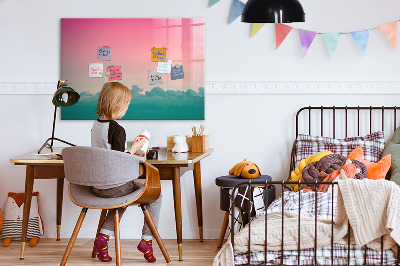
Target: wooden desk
171	167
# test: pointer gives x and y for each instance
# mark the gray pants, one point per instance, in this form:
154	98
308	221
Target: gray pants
154	208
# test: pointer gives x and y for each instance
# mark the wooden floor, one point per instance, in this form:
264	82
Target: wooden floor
50	252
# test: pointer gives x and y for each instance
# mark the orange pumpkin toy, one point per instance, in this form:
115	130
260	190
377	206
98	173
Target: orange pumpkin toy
245	169
375	170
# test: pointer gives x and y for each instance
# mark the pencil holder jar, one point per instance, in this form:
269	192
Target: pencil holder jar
200	143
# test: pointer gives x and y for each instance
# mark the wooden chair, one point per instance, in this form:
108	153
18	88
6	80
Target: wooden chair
85	167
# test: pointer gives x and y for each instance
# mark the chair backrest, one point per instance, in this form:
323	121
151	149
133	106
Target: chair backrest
92	166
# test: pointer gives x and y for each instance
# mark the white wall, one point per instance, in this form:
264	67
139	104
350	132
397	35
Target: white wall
254	126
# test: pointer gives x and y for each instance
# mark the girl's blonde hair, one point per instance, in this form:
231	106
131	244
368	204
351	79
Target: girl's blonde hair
113	98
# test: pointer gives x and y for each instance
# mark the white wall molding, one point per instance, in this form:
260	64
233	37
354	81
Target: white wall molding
28	88
303	87
249	87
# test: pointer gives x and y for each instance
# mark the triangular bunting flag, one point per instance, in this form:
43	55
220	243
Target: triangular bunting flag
237	9
389	30
281	31
332	41
306	39
361	37
256	27
213	2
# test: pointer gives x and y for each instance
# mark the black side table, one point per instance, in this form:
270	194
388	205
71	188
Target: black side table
226	183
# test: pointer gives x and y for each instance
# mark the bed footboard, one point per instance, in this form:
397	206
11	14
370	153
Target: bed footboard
309	256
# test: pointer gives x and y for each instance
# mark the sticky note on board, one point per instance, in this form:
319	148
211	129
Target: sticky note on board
158	54
115	73
164	67
155	78
104	53
95	70
177	72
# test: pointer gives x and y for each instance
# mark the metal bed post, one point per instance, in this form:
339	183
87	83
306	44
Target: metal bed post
333	114
283	210
333	189
266	221
249	220
298	240
346	121
315	223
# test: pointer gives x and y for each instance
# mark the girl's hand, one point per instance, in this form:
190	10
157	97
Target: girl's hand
137	144
142	155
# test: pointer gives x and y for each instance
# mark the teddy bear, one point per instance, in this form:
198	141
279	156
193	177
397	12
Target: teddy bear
180	144
245	169
13	215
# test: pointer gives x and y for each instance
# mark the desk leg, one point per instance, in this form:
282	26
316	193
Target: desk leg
197	189
60	190
176	182
27	206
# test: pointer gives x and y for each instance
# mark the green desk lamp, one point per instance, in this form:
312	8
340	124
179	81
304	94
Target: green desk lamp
64	96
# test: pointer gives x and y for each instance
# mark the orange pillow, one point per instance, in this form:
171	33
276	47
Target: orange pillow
375	170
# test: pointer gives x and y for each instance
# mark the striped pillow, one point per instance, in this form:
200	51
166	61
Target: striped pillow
372	145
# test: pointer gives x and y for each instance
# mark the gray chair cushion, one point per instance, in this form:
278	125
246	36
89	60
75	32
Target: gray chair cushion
83	195
99	167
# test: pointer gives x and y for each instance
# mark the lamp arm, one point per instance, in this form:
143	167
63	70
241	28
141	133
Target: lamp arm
54	126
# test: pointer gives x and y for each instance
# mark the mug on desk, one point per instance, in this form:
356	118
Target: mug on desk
152	155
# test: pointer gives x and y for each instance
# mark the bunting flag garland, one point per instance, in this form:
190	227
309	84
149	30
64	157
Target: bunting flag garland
332	41
361	37
237	9
306	39
256	27
389	30
281	31
213	2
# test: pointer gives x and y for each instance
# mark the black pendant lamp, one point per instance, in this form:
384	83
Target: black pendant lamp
273	11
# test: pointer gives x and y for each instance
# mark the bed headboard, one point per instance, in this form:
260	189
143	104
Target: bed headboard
344	121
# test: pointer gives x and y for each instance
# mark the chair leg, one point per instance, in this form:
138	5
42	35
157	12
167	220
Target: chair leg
223	229
154	230
101	222
73	237
117	239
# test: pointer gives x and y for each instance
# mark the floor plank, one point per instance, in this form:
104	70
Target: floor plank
50	252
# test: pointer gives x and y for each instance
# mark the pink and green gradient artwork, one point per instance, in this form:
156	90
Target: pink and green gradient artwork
131	42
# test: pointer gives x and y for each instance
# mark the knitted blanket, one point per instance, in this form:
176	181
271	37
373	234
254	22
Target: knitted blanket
274	235
371	207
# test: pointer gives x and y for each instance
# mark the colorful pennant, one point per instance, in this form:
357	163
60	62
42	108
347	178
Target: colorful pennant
256	27
281	31
361	37
237	9
213	2
332	41
389	30
306	39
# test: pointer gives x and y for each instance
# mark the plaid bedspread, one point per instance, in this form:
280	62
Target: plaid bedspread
322	205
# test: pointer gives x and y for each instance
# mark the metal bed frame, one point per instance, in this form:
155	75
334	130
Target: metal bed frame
283	184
